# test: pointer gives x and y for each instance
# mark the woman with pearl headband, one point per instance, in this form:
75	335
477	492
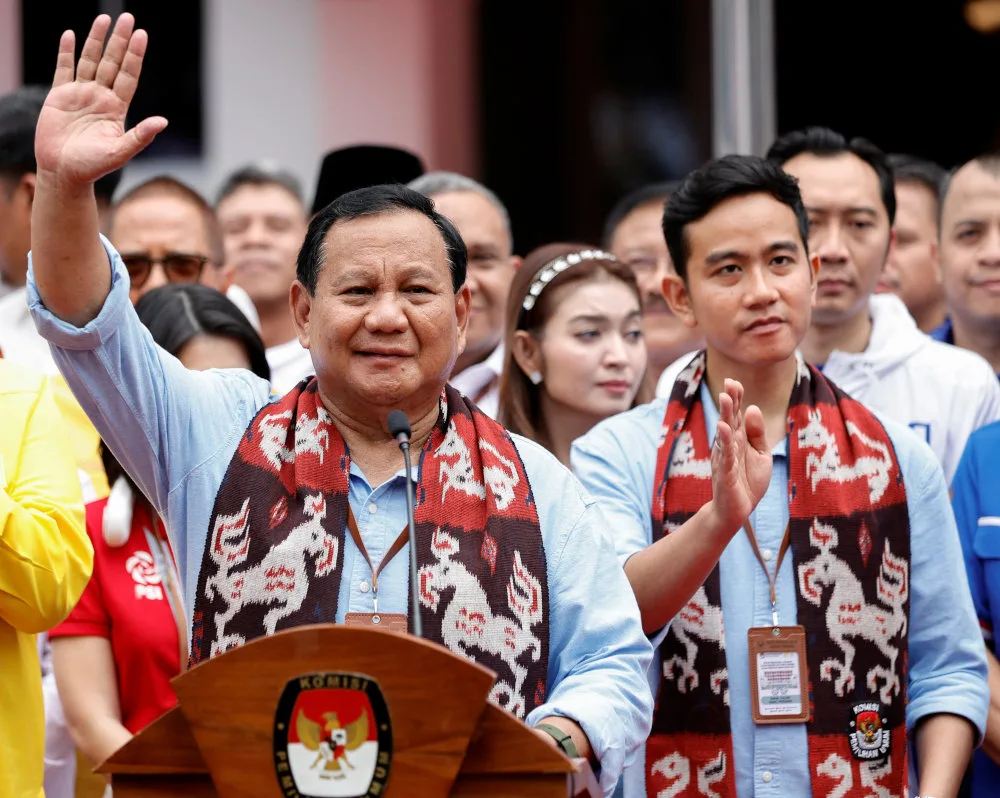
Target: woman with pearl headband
575	354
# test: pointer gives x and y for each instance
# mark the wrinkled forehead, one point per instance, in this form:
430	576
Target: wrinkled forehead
261	198
973	192
477	220
159	220
378	244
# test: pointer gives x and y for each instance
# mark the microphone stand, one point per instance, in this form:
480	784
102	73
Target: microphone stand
412	531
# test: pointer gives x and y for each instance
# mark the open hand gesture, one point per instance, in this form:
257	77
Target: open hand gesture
81	132
741	460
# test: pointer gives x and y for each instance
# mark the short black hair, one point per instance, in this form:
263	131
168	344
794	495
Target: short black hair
631	201
177	312
389	198
927	174
823	141
913	169
717	181
260	175
19	112
987	161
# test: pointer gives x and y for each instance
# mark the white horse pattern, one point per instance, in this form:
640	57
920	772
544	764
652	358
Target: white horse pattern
677	767
827	464
698	620
849	615
470	623
280	579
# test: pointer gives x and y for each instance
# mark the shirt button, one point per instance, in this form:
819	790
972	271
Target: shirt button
364	587
766	776
373	508
767	554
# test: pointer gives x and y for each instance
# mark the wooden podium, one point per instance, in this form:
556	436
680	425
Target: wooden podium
295	714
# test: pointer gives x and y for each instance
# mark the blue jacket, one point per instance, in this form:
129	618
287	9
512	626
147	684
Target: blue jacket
976	500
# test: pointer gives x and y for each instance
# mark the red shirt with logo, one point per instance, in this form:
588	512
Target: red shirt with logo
126	601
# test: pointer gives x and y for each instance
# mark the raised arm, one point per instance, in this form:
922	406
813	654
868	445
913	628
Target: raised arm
81	137
665	575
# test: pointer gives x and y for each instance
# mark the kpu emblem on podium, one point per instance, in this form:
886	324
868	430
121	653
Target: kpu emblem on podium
332	737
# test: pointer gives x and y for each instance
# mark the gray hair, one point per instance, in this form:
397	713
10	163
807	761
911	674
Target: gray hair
441	182
264	173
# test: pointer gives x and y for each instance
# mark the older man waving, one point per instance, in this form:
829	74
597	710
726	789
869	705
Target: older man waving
312	483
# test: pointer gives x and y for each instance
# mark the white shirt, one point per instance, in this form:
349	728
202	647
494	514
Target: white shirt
942	392
19	340
479	376
242	300
290	364
60	753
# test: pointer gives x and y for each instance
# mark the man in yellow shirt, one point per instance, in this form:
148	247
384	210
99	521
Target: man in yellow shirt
45	561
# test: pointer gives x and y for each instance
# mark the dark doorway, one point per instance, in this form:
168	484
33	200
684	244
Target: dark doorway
913	78
584	100
171	83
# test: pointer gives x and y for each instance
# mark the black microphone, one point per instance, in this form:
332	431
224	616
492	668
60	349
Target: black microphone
399	428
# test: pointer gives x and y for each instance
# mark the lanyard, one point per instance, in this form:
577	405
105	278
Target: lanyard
771	580
165	565
394	549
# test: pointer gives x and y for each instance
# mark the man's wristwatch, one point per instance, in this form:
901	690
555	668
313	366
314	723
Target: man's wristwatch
563	740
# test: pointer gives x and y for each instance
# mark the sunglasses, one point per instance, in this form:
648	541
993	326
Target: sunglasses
178	267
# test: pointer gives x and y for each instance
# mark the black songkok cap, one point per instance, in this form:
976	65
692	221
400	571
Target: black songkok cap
362	166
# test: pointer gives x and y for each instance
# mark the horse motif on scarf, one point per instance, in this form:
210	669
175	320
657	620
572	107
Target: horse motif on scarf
847	502
274	555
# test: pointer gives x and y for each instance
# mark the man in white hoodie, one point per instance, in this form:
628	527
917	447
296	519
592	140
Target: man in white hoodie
869	344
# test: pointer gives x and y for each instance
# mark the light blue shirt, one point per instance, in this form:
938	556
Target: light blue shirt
175	431
616	462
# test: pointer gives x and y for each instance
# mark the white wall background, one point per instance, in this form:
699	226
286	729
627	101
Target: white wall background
261	94
289	80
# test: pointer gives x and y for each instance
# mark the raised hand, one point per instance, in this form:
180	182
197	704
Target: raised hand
81	132
741	460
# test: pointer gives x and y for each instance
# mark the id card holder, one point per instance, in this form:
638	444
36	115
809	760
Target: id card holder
779	678
386	621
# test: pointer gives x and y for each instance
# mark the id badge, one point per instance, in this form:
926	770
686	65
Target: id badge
387	621
779	679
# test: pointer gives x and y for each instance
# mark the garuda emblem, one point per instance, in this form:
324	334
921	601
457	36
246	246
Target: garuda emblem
332	737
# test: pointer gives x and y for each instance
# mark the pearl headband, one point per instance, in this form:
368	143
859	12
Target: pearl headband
552	269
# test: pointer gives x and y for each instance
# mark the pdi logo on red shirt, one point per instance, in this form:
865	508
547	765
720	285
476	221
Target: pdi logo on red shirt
142	568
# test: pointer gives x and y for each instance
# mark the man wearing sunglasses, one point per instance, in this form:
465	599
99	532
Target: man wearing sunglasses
167	233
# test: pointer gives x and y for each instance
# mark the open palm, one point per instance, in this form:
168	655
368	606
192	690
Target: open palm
81	133
741	460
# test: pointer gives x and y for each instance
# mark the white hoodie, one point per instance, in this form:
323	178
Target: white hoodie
942	392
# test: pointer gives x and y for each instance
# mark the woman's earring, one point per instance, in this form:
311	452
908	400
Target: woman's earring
535	377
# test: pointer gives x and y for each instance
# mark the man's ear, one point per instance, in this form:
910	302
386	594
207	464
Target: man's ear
463	301
301	303
527	352
813	279
27	185
224	276
676	293
936	260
